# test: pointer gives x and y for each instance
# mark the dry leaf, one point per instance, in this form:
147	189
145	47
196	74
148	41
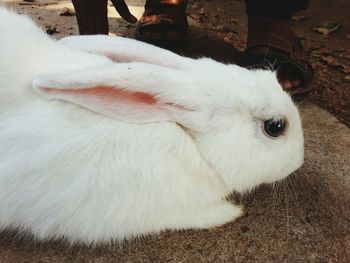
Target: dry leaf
327	28
332	61
299	18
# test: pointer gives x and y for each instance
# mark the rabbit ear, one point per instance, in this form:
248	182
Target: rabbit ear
121	49
132	92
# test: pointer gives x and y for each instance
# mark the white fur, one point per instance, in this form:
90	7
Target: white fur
93	168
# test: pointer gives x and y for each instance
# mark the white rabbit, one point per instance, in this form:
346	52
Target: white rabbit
95	150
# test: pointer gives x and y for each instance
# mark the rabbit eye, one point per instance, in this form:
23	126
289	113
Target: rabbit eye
274	127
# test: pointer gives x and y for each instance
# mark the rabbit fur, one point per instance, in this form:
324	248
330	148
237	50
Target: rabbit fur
107	138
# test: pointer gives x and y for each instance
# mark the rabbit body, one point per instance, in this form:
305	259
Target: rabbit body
86	173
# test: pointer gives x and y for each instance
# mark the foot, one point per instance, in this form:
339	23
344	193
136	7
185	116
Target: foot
209	217
163	23
92	15
272	44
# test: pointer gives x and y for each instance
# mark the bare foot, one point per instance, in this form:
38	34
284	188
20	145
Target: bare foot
289	77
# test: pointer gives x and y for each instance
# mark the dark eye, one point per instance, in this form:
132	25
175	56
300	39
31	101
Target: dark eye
274	127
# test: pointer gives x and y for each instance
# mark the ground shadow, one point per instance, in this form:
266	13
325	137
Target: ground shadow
201	42
204	43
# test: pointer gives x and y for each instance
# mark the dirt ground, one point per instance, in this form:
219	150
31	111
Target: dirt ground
225	21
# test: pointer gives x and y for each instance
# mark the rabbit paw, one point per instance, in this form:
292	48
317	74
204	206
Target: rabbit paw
217	215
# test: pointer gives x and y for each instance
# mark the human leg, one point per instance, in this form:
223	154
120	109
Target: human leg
273	44
91	16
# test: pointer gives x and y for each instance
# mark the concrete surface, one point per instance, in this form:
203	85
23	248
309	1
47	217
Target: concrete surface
305	218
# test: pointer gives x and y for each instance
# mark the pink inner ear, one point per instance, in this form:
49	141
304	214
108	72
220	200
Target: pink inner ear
107	94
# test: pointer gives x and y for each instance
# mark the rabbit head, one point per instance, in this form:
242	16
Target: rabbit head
245	127
241	145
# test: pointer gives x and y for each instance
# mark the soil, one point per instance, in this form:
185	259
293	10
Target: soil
225	21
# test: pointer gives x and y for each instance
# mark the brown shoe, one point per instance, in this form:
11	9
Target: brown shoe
164	22
273	44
